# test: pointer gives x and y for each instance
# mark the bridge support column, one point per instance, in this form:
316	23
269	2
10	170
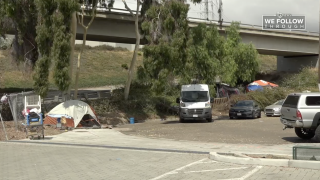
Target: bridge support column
296	63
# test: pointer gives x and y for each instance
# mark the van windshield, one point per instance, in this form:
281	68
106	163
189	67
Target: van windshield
195	96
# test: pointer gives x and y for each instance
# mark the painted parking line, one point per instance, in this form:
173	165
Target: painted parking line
213	170
178	169
202	161
250	173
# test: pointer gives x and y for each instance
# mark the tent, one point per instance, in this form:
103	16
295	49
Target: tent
77	114
224	90
259	84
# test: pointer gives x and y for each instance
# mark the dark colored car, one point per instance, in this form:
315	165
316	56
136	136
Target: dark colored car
245	109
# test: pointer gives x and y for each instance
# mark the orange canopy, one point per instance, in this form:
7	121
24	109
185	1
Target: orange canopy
263	83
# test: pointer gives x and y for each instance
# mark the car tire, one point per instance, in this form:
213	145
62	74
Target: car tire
304	134
268	115
230	117
209	119
259	115
181	120
254	115
317	134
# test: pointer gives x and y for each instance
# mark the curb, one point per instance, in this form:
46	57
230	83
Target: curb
242	159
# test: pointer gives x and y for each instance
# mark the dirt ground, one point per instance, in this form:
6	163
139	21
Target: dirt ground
264	130
14	134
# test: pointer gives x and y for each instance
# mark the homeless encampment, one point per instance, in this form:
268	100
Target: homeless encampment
259	85
224	90
75	114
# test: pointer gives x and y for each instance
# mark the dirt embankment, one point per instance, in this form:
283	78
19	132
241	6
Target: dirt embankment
14	134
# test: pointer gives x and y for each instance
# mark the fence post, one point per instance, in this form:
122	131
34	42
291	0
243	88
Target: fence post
4	128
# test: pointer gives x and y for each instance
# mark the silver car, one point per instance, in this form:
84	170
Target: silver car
274	109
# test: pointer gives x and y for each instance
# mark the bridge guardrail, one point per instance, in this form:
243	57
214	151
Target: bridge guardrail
205	20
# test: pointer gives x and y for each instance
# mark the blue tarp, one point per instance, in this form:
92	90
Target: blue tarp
254	87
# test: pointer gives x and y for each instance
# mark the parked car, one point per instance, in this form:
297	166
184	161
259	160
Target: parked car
301	111
274	109
246	109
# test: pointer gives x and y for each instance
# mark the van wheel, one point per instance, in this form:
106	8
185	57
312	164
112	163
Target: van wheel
209	119
304	133
181	120
317	134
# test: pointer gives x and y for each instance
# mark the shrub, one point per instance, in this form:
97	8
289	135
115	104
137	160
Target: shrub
141	101
306	79
125	66
263	98
77	47
6	112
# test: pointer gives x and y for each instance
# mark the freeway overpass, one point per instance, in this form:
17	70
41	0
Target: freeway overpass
293	48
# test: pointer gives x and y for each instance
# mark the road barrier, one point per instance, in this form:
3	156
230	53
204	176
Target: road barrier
220	100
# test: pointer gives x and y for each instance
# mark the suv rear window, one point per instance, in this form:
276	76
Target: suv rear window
313	100
291	101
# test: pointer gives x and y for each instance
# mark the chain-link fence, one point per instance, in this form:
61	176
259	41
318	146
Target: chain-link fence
17	104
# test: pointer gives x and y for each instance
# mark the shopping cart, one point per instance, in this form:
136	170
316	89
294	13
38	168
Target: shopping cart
34	119
34	126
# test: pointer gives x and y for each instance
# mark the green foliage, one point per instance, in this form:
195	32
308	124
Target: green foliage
165	54
142	103
61	49
125	66
20	18
53	38
208	57
244	55
44	39
263	98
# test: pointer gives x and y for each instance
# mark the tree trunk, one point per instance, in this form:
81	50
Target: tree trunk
134	58
319	63
85	30
72	44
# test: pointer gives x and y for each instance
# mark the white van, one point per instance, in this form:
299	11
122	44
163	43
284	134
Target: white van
195	102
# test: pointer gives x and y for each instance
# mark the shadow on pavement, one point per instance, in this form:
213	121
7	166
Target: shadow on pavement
298	140
226	118
184	122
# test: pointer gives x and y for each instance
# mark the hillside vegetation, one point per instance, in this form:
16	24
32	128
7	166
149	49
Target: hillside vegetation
105	65
100	66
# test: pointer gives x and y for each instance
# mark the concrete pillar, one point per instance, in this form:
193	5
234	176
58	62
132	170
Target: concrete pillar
294	64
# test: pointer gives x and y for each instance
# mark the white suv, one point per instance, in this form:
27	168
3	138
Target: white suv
301	111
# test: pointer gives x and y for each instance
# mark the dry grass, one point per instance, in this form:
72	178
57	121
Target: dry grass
268	63
99	67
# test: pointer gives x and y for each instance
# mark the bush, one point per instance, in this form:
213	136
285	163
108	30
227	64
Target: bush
307	79
77	47
141	101
6	112
263	98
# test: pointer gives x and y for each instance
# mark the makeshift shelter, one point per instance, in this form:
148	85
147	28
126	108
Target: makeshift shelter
224	90
76	114
259	85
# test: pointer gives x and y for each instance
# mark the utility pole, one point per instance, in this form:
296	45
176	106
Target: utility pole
212	11
220	14
207	9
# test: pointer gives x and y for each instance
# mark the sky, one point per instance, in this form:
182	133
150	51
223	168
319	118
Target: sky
251	11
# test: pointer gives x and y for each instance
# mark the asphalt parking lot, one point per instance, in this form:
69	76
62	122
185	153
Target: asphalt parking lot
43	161
264	130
